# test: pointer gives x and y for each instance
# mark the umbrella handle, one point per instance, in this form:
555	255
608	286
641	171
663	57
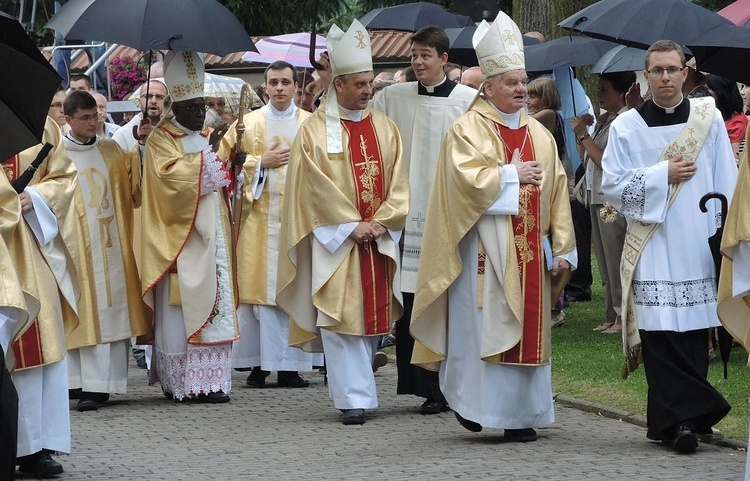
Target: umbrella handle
313	34
715	195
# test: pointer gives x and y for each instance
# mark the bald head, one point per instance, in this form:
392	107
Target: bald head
472	77
537	35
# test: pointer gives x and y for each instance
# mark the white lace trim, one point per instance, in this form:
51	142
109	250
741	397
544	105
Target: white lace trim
689	293
203	369
214	176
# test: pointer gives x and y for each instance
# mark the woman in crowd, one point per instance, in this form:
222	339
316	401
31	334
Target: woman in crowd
729	103
607	226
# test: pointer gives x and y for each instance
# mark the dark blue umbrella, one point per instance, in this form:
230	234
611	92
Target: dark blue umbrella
413	16
724	51
27	85
639	23
462	50
621	59
185	25
565	52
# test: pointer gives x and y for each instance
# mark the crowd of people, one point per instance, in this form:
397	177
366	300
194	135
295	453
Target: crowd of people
443	208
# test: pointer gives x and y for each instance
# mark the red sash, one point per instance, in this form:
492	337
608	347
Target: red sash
28	348
530	253
368	177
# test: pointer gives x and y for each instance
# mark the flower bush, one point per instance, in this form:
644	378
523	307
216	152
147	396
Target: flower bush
126	74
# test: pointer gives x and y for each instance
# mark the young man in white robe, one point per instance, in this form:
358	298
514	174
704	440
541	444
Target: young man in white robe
423	111
110	182
264	328
498	237
661	158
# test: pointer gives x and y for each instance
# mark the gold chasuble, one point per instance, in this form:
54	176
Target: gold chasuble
110	183
179	229
48	272
355	289
258	241
734	312
513	281
26	307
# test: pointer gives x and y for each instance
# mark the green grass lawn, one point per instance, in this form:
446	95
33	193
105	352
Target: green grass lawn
587	365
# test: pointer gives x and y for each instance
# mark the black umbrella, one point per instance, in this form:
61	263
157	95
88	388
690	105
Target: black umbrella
27	85
184	25
413	16
714	243
565	52
621	59
462	50
639	23
724	51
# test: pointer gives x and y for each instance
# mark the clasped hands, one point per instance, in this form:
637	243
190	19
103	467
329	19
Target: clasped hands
367	232
528	172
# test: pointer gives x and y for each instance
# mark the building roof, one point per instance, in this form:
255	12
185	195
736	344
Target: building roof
389	47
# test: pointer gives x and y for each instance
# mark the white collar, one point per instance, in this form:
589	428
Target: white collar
273	113
513	120
670	110
354	115
431	88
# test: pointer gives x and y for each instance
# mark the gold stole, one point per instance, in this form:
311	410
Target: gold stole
367	173
688	143
527	238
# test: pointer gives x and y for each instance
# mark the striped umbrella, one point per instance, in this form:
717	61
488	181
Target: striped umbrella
291	47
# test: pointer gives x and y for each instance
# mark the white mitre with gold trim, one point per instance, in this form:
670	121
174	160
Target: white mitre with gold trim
349	52
499	46
184	74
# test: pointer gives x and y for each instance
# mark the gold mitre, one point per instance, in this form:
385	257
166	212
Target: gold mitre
184	74
499	46
349	51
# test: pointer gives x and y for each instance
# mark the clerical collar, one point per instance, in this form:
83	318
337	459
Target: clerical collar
512	120
670	110
656	116
441	89
70	137
277	114
354	115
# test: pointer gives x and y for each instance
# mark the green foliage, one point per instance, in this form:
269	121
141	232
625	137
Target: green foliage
276	17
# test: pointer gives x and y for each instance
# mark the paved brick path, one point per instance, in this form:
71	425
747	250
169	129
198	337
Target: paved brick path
296	434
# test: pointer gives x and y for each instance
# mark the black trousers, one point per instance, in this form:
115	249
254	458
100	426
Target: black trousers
8	422
413	379
579	284
676	365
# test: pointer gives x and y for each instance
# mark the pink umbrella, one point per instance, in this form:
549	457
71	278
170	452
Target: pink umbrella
292	47
738	12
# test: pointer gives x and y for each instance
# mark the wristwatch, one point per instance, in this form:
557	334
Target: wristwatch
581	138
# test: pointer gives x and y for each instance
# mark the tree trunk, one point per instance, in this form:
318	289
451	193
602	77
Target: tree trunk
533	15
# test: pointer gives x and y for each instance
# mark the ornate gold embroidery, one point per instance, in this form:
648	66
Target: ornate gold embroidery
527	225
505	61
360	37
369	171
509	37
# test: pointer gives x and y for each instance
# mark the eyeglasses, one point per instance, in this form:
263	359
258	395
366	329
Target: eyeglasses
86	118
153	96
194	109
658	71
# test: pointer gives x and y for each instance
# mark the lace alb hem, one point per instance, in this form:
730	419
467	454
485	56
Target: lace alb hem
213	176
203	369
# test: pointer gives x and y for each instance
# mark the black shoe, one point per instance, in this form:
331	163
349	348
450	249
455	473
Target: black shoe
74	393
257	377
353	416
86	404
520	435
40	465
219	397
685	440
433	407
470	425
140	358
380	360
292	379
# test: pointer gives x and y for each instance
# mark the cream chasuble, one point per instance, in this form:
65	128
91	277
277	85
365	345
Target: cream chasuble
466	186
258	244
321	190
110	183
